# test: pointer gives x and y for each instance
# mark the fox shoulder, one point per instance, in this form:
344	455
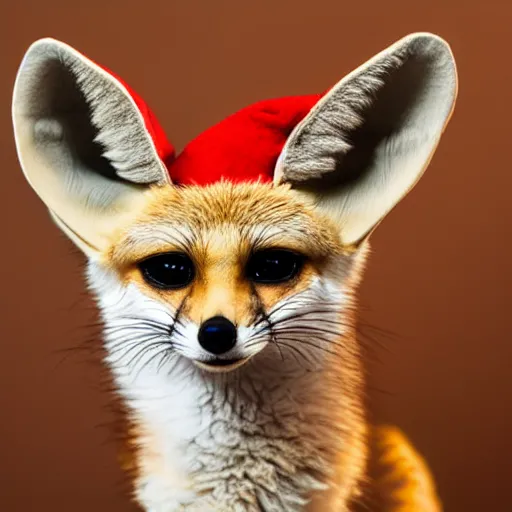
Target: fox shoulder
400	480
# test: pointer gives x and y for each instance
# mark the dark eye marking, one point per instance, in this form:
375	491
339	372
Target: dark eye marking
168	271
274	266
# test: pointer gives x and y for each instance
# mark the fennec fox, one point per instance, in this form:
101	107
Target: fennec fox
226	276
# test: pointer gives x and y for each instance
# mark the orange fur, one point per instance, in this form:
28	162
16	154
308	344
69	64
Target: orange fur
218	226
342	165
399	478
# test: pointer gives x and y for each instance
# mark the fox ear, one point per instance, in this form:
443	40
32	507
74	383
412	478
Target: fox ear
83	142
365	144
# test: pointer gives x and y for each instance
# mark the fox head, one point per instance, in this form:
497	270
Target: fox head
257	228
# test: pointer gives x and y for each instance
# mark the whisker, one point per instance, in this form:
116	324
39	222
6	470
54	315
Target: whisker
134	361
294	351
297	299
309	344
150	322
115	330
255	342
165	350
122	341
301	314
134	344
306	328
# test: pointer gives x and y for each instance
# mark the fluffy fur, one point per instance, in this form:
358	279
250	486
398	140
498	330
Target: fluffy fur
284	430
273	433
366	143
381	98
65	95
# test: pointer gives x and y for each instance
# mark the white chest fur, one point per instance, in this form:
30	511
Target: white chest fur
264	437
245	444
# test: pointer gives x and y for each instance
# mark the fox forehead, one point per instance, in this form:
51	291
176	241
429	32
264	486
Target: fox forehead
222	220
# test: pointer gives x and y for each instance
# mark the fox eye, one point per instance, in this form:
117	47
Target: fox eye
168	271
273	266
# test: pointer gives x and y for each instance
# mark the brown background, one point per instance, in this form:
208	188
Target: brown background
440	277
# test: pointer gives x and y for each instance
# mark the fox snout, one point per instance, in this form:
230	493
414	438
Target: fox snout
218	337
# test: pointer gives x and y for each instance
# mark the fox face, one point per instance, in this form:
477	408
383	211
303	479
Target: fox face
232	265
226	276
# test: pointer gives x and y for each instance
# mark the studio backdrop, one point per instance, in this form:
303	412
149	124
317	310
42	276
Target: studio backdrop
435	303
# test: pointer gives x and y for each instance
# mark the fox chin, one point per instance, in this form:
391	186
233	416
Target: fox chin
226	277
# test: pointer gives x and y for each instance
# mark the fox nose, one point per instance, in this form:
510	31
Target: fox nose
217	335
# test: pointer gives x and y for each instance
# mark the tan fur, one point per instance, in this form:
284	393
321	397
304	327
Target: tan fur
343	168
399	479
219	226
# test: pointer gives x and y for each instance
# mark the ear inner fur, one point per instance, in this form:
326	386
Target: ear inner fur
365	144
83	142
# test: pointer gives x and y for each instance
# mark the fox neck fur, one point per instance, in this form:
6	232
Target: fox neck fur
277	434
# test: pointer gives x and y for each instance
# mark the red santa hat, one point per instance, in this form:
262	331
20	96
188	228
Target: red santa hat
243	147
